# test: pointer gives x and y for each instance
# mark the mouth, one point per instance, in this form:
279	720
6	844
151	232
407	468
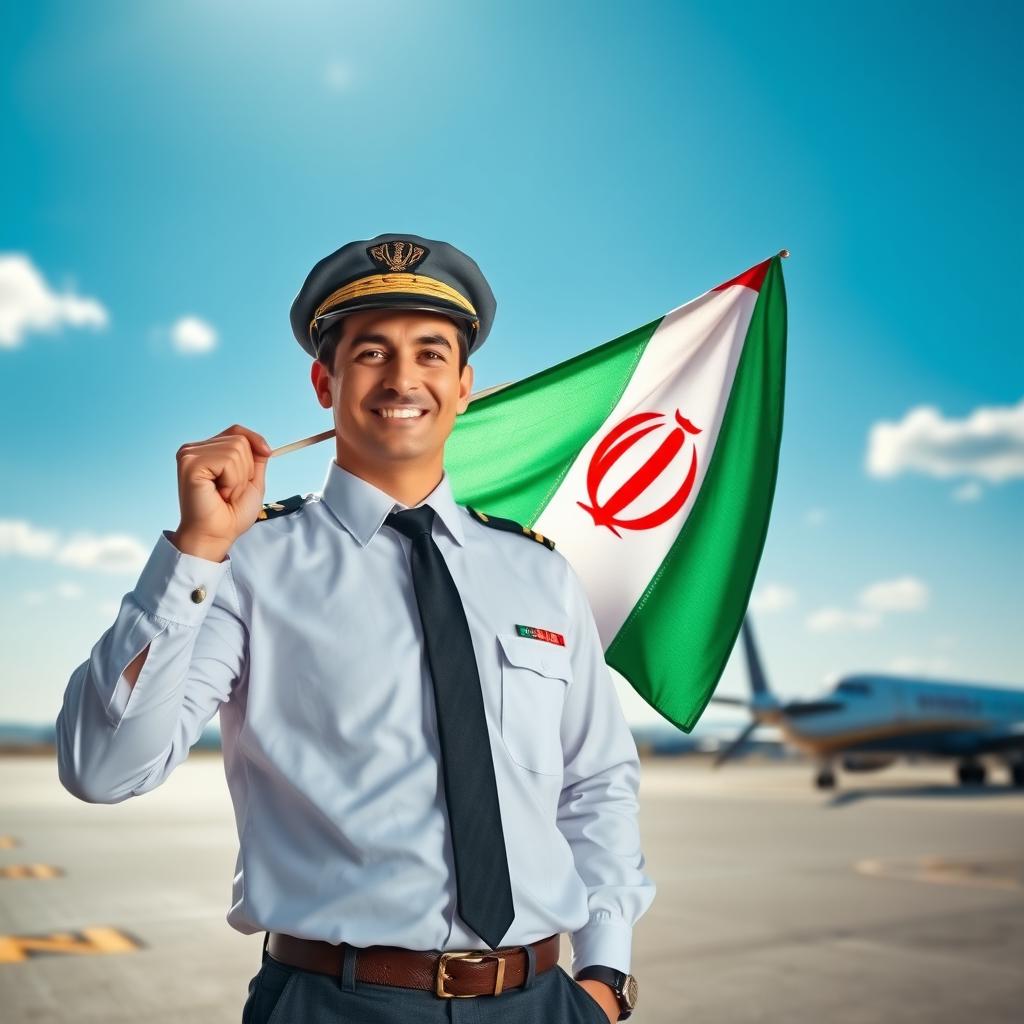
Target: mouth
399	412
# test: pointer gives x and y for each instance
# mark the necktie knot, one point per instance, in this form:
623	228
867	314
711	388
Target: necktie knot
412	521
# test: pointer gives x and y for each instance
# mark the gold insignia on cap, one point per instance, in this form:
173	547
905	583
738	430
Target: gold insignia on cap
397	256
383	284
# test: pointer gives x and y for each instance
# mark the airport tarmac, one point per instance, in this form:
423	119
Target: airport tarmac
899	897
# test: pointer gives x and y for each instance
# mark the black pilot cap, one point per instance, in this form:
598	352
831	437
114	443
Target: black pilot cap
393	271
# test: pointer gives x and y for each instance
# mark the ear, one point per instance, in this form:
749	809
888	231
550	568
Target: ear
465	387
321	384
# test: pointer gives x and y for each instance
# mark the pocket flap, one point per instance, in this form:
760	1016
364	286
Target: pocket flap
549	660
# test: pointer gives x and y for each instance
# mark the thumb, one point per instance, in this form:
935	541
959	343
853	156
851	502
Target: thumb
259	474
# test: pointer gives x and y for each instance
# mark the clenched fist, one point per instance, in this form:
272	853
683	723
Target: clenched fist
221	483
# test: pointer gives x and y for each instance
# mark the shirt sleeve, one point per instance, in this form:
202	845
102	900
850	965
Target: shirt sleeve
115	740
598	806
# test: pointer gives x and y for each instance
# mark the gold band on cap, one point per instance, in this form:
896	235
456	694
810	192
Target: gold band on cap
379	284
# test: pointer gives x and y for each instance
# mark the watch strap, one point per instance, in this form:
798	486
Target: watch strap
611	977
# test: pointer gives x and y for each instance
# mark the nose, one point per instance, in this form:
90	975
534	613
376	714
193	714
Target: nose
400	373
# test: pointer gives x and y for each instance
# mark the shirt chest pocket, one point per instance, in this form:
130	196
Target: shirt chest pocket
534	677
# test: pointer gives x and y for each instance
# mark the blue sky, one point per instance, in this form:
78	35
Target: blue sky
172	171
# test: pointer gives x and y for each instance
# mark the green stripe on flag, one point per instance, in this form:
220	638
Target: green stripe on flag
675	643
535	428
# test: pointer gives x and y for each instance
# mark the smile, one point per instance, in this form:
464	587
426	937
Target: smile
400	413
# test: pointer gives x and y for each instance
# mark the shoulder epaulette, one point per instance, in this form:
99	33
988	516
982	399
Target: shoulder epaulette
273	509
511	526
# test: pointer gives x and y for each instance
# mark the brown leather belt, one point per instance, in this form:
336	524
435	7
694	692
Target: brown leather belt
449	974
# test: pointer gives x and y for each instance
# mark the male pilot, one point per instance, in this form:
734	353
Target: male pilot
431	774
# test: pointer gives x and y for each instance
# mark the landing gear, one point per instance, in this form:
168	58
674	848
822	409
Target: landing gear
826	778
1017	774
971	773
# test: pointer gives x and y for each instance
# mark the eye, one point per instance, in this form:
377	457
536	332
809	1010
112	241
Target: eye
370	352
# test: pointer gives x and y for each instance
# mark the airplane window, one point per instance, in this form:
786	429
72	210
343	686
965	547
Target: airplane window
860	688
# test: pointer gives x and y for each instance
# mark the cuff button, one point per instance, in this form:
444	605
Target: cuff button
199	594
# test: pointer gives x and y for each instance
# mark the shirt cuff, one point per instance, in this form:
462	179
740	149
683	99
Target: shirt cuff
606	940
178	587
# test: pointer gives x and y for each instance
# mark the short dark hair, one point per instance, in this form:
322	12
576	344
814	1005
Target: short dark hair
332	334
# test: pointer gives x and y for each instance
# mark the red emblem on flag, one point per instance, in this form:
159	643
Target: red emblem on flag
612	511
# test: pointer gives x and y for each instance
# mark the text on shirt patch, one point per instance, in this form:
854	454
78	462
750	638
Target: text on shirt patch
536	633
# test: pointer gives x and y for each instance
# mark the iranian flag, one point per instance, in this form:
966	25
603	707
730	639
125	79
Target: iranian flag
651	462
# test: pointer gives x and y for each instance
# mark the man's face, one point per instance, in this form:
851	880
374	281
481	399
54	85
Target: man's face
396	387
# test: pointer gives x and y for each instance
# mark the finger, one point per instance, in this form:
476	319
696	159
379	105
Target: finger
258	442
227	471
259	477
246	459
243	472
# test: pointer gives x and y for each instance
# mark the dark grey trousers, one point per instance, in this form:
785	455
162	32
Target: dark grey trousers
282	994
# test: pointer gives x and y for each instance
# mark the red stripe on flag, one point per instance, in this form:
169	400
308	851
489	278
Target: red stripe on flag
752	278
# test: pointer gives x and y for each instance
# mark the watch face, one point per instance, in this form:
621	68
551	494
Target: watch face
629	991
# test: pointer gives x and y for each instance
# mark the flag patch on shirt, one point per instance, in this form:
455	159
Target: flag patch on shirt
536	633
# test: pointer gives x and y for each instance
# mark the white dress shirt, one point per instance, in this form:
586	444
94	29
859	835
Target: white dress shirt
309	644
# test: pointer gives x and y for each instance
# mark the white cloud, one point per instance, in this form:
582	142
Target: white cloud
970	491
111	553
988	443
832	620
190	334
772	597
337	76
18	537
904	594
67	590
900	595
28	303
815	516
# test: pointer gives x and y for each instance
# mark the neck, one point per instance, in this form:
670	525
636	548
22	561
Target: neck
407	484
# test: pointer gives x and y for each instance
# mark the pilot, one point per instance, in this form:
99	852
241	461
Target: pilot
431	773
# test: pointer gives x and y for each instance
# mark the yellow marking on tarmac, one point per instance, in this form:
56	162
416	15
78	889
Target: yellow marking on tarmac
1005	872
8	842
88	942
30	871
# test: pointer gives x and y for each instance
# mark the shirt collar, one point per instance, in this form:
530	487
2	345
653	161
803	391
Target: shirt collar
362	508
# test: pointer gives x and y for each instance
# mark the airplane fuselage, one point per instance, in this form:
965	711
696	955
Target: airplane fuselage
891	714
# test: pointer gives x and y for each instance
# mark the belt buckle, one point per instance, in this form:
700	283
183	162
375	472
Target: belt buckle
474	956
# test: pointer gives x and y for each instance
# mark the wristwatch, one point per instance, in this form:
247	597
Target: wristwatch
625	985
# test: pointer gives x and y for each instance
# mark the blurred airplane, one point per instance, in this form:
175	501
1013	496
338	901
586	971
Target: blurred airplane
867	721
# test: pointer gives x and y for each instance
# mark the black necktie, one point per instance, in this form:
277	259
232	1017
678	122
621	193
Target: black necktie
478	841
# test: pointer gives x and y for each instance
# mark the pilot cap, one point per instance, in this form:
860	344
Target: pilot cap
393	271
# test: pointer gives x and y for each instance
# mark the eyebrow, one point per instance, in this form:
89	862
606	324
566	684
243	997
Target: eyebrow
379	339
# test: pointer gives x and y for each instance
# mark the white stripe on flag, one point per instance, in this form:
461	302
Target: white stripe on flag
688	365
